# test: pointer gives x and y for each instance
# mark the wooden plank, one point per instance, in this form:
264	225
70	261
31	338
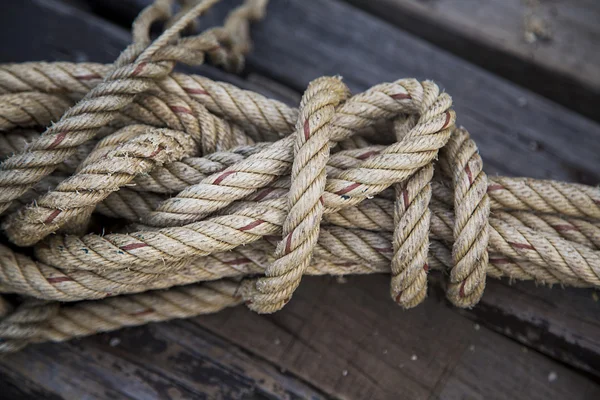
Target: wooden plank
16	387
172	360
369	346
549	47
72	371
339	328
562	323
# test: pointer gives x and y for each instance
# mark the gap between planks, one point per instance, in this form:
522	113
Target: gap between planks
548	47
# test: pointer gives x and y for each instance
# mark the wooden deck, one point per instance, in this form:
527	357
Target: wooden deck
530	103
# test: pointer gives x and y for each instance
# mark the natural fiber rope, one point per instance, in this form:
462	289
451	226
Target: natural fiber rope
133	73
343	185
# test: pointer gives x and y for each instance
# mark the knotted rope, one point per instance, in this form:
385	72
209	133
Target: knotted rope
204	181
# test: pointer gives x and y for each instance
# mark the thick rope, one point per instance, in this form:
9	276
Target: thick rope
411	236
134	72
314	133
218	196
472	208
30	109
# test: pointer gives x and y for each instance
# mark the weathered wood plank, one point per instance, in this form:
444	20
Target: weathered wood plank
549	47
562	323
18	387
333	329
75	371
175	360
373	350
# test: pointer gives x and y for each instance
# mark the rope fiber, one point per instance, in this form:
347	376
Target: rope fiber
218	196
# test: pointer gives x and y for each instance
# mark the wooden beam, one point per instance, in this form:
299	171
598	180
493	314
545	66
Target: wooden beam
548	47
356	343
171	360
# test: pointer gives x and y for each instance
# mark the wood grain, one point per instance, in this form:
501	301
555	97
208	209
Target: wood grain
518	132
562	323
560	62
373	350
176	360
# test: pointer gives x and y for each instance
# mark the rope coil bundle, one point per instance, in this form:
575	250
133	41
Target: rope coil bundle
226	197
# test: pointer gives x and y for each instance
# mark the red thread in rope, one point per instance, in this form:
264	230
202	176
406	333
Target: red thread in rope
405	198
59	138
87	77
493	188
252	225
263	193
447	120
59	279
133	246
401	96
469	174
195	91
142	312
348	188
565	228
288	243
306	129
223	176
138	70
52	215
180	110
521	246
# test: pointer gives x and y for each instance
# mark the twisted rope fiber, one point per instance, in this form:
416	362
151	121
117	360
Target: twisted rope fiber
369	248
308	177
133	73
232	230
243	107
249	219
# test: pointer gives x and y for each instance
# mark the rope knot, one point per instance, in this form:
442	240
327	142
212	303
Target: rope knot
425	127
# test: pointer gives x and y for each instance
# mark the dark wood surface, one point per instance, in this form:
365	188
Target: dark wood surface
548	46
337	340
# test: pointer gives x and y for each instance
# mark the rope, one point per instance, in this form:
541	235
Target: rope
133	73
219	196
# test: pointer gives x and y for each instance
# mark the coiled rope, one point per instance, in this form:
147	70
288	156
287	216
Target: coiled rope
221	196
